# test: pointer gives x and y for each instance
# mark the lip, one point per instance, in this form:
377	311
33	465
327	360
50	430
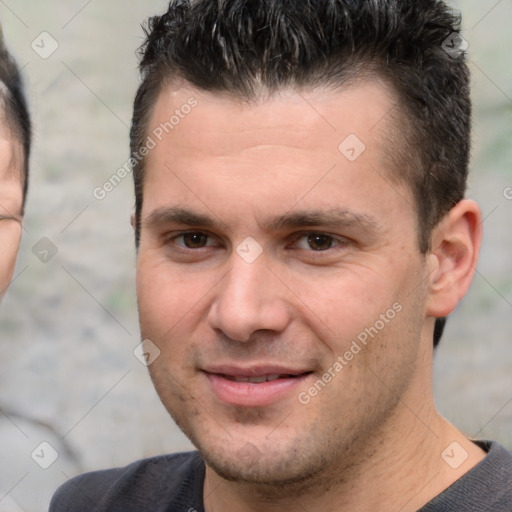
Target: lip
248	394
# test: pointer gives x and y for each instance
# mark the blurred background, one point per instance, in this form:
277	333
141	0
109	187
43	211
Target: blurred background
73	397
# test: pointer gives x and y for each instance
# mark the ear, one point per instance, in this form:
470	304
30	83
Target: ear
455	248
132	220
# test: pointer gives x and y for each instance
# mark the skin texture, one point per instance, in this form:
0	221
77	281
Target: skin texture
10	207
371	438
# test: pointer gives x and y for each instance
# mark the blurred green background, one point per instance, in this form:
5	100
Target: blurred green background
68	375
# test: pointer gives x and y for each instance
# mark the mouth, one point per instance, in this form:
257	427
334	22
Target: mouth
255	387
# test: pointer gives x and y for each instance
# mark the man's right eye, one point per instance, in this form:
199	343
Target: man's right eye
192	240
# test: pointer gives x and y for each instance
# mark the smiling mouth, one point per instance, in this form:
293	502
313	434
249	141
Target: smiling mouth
254	388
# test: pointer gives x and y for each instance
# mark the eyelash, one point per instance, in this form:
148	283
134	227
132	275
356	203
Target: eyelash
337	241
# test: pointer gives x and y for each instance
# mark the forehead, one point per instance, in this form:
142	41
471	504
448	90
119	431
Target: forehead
11	149
315	118
249	159
11	170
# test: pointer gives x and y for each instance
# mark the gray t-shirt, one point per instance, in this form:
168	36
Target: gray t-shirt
174	483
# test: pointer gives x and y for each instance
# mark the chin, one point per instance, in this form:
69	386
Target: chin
266	472
267	465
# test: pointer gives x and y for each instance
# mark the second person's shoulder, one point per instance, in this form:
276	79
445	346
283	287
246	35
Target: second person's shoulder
157	482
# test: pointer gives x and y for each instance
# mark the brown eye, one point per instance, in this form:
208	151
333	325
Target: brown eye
195	240
319	242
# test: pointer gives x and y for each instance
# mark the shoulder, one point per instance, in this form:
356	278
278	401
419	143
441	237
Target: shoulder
485	488
157	482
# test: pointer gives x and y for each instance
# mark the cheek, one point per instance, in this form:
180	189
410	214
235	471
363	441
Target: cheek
169	302
368	312
10	239
348	300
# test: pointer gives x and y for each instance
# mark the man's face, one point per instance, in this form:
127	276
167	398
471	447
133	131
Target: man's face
10	207
266	251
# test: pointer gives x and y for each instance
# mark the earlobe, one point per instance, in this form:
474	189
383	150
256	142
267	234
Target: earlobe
455	248
132	220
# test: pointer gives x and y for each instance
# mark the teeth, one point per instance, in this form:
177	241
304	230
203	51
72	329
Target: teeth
256	380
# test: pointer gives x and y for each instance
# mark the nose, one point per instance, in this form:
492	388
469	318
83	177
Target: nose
250	298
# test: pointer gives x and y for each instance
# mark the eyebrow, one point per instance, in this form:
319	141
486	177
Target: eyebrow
332	217
178	216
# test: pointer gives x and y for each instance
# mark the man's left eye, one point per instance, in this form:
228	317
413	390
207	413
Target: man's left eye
317	242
